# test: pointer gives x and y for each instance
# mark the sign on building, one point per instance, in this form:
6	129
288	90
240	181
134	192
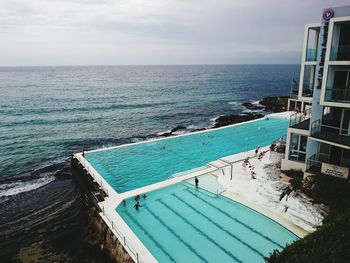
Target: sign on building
335	170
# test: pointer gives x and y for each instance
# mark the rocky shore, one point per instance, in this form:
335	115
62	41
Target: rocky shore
270	104
235	118
256	110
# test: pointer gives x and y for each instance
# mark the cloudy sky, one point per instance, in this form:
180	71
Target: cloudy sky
119	32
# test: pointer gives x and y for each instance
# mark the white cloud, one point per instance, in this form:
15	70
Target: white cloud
36	32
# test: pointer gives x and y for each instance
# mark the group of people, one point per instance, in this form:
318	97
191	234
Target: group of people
246	163
137	198
260	154
274	147
137	204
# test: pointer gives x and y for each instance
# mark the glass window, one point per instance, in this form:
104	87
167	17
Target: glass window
308	81
297	150
338	84
341	41
312	42
346	158
324	152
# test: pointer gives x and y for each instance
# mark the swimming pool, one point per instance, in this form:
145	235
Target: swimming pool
137	165
182	224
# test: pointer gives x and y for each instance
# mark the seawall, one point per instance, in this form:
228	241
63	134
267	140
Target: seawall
97	234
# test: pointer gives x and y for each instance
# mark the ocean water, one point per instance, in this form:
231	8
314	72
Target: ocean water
48	113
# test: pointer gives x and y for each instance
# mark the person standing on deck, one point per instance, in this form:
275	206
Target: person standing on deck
196	181
281	141
257	150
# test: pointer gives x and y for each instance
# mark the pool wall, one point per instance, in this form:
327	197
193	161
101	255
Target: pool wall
103	238
131	243
273	115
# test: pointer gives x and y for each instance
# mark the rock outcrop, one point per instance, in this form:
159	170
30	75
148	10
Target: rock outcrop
275	104
235	118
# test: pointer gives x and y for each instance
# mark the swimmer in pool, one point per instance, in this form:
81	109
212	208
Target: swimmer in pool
137	206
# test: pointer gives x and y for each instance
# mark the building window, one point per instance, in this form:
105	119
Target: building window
324	152
334	155
297	150
312	42
338	84
308	81
340	49
346	158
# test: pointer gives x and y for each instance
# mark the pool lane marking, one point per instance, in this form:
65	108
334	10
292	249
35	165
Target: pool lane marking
201	232
175	234
150	237
235	219
218	226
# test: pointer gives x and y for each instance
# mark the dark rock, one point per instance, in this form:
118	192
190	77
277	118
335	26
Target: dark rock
178	128
166	134
235	118
199	129
275	104
251	106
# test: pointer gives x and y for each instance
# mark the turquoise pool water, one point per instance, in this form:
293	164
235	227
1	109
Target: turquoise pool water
182	224
134	166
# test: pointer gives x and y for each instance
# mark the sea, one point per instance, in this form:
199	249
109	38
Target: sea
49	113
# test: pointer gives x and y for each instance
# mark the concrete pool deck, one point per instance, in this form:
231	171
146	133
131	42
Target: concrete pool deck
126	236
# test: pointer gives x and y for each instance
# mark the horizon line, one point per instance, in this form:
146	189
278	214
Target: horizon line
145	65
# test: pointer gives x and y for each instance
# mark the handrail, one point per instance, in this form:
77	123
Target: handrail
337	94
298	117
316	127
313	161
124	241
91	170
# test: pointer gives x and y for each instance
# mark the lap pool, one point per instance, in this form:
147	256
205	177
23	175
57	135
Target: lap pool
180	223
133	166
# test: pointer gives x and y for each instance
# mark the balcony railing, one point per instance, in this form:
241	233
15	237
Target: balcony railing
342	53
308	89
338	95
317	166
300	120
313	164
330	133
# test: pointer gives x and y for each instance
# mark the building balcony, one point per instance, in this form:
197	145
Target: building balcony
330	133
300	120
315	165
338	95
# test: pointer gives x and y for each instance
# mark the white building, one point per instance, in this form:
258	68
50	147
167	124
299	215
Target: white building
318	139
